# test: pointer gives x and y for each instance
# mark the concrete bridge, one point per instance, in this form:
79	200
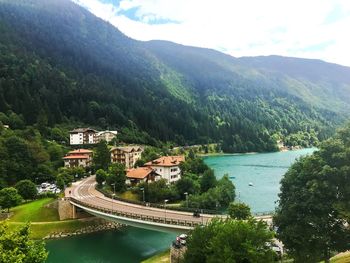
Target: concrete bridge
83	195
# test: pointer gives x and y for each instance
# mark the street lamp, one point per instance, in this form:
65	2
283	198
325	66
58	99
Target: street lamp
113	188
186	194
113	195
165	201
112	202
143	194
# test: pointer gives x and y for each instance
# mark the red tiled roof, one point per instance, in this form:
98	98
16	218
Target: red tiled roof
127	149
167	161
76	157
82	130
80	151
139	173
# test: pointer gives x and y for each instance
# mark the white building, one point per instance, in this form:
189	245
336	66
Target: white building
167	167
83	136
106	135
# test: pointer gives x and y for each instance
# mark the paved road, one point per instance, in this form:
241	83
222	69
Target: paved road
85	192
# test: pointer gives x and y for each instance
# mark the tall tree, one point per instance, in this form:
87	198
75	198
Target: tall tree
208	180
230	241
116	177
101	176
102	157
312	216
9	197
16	246
26	189
239	211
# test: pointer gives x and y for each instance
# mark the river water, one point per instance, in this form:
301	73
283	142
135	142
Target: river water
263	171
131	245
127	245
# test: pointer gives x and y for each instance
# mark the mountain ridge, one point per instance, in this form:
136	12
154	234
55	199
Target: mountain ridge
84	69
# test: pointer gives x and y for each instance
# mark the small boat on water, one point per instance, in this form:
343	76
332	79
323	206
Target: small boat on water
251	184
232	177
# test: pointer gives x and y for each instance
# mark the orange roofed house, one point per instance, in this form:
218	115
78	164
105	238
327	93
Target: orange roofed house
80	157
141	174
167	167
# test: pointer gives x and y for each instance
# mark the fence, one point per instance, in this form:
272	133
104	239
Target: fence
155	219
147	204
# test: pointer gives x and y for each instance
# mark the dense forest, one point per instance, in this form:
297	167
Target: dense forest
26	154
60	65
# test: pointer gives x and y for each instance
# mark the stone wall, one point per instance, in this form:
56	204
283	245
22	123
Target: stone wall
67	211
96	225
177	254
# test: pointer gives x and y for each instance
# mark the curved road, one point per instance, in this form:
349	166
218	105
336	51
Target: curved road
84	191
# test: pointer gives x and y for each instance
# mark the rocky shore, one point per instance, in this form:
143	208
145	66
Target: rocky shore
99	225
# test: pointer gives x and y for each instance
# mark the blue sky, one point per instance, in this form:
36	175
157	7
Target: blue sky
299	28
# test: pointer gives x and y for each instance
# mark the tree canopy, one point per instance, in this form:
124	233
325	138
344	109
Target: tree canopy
116	177
9	197
313	212
239	211
16	246
102	156
230	241
26	189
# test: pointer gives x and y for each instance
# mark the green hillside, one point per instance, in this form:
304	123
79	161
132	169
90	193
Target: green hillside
59	64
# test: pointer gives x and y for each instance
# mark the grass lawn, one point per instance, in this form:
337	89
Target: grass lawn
163	257
44	220
129	195
341	258
41	230
34	212
178	204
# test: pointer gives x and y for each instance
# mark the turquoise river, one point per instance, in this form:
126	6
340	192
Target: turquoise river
131	245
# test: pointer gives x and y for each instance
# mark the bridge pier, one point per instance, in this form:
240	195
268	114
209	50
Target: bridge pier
66	210
74	212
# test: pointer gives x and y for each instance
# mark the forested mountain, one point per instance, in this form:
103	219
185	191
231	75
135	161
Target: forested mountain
61	64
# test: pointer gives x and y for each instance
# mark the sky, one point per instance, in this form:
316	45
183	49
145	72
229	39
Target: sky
317	29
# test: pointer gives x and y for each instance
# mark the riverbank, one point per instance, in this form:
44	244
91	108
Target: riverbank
296	148
223	154
163	257
45	224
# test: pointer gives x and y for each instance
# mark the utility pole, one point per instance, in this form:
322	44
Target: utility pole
113	195
165	201
143	194
186	194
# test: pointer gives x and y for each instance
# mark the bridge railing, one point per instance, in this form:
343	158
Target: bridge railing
164	220
266	213
168	207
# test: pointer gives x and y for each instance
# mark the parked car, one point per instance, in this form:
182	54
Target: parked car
182	239
196	213
183	236
48	188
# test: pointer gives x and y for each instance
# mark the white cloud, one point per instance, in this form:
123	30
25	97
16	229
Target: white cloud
311	29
